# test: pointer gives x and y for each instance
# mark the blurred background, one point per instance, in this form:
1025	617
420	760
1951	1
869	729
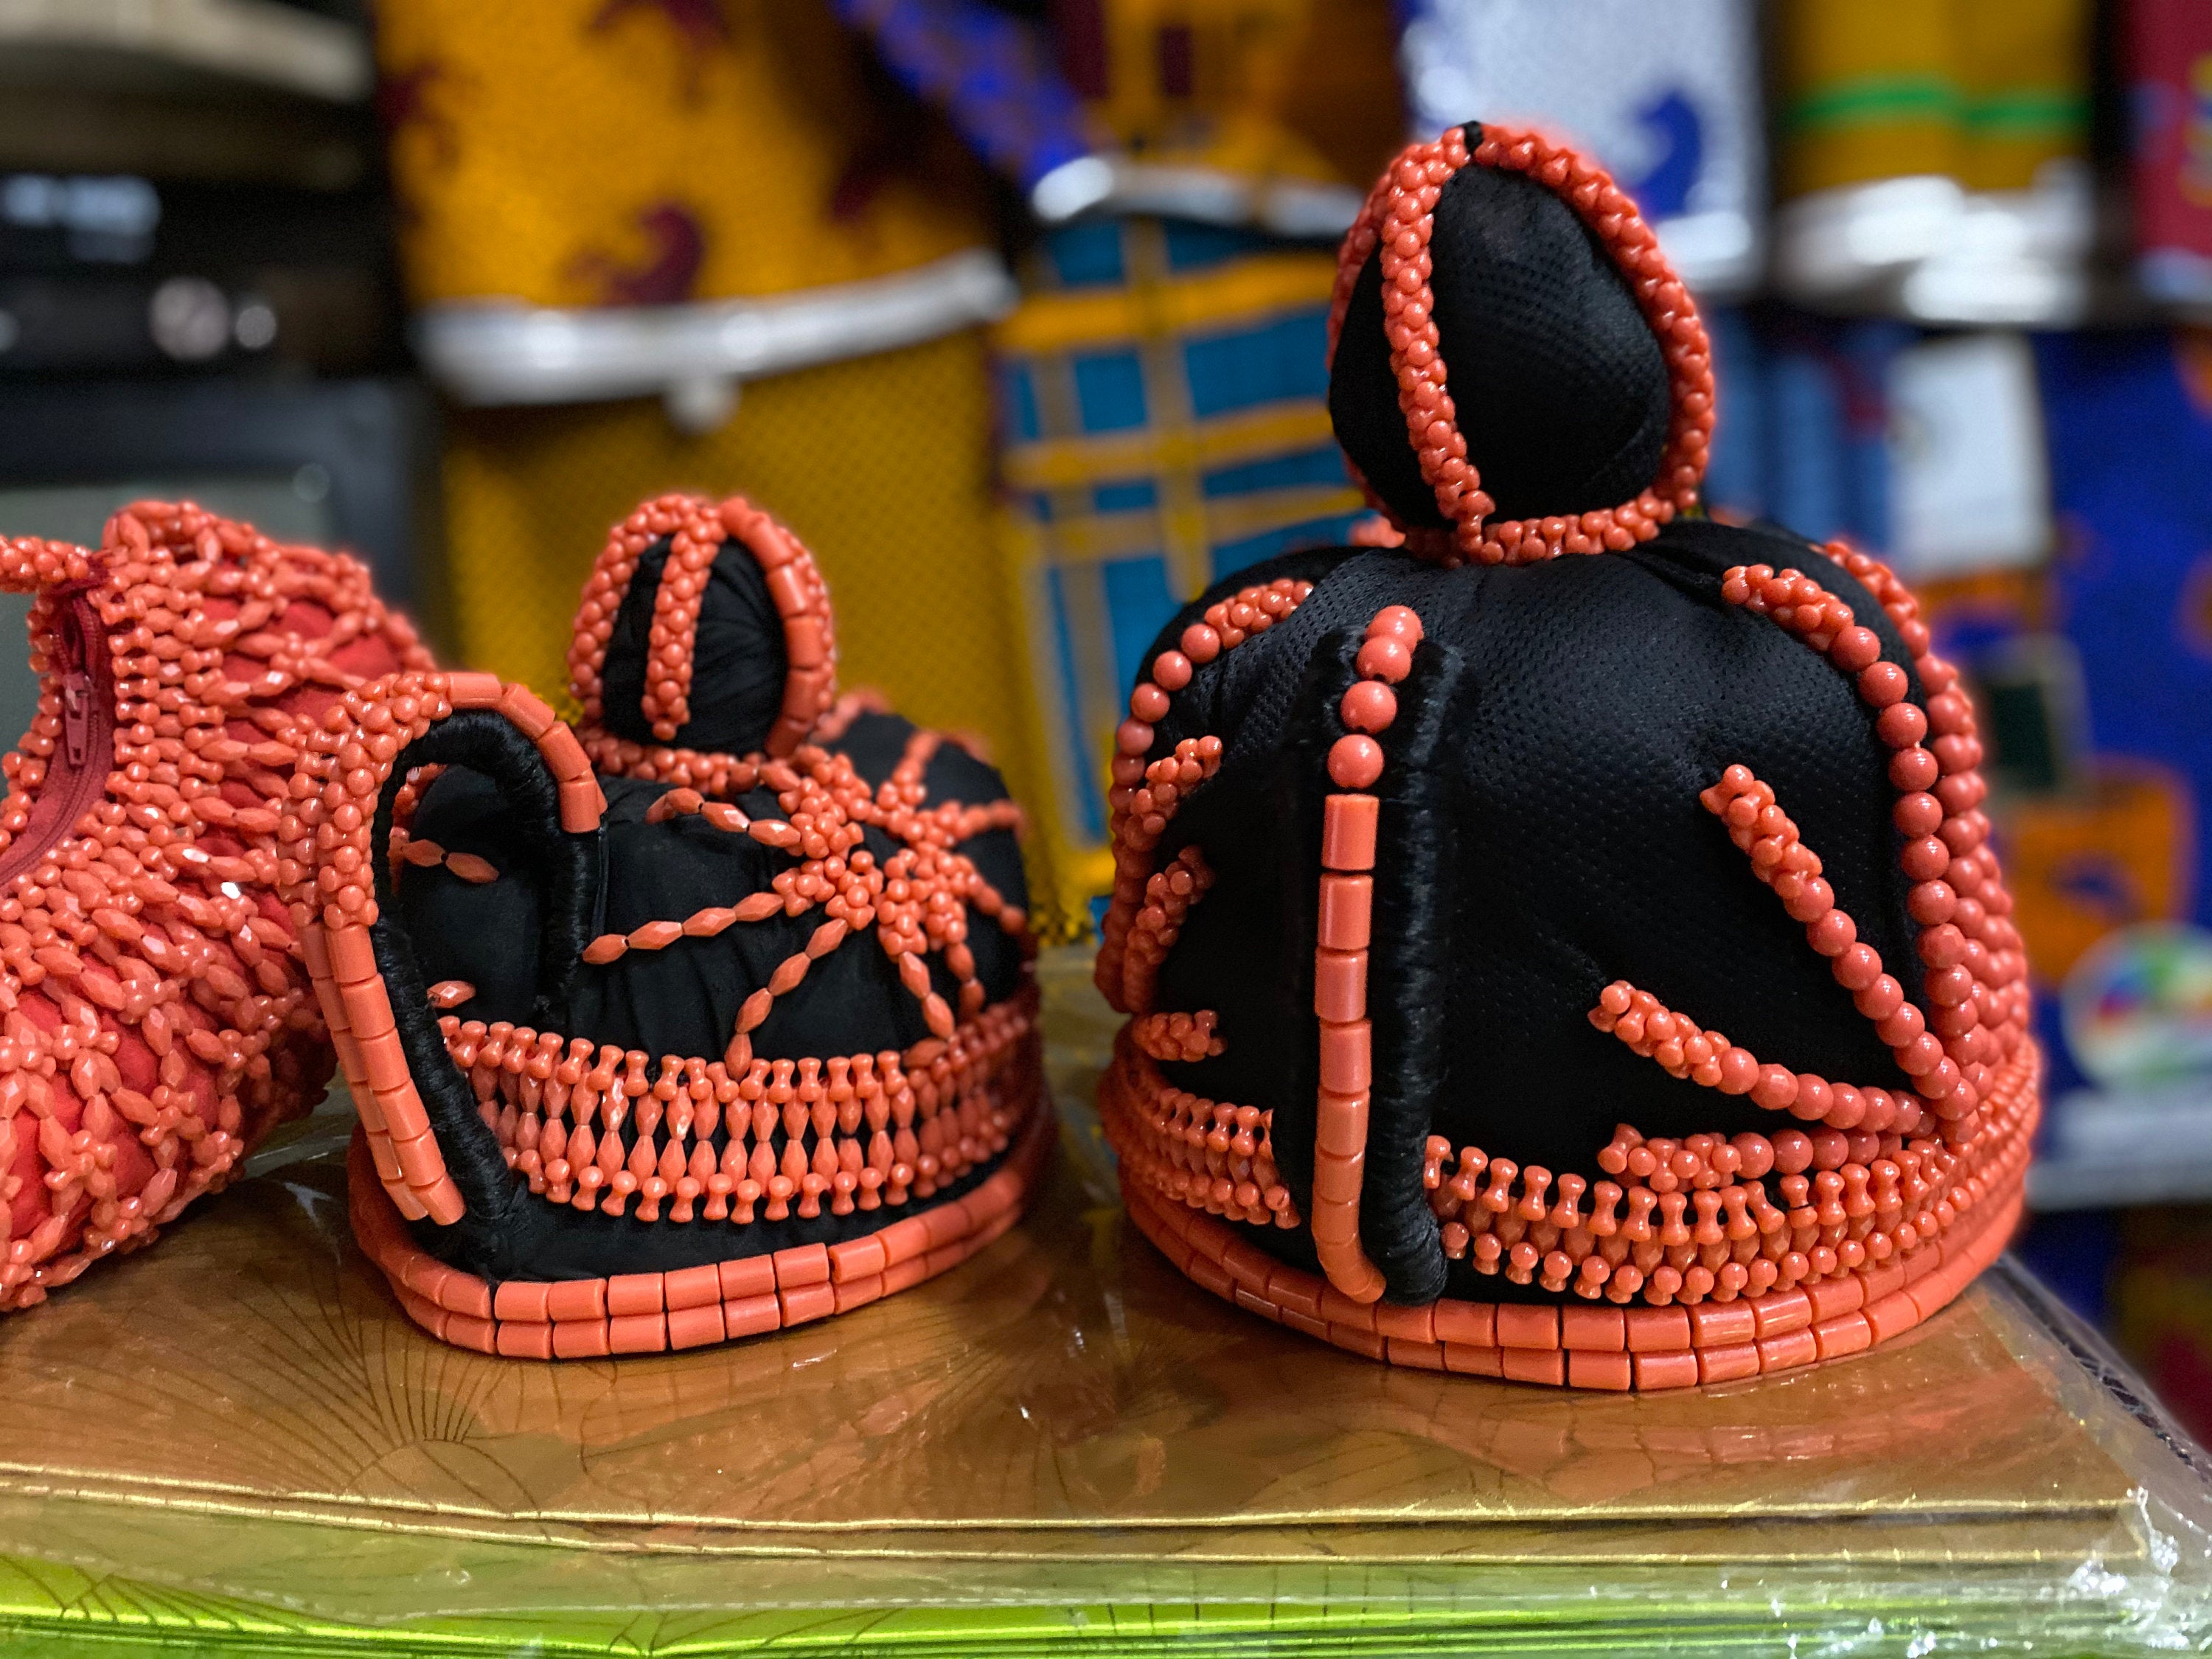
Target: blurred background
1014	309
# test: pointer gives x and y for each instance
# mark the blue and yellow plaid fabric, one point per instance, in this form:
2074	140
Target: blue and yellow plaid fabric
1163	395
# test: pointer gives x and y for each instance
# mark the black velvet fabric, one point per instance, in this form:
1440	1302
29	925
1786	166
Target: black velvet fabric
739	663
1558	382
518	941
1540	837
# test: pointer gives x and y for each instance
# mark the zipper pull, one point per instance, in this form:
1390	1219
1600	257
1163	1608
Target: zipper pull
77	715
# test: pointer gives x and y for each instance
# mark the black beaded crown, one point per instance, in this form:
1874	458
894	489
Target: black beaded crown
1435	857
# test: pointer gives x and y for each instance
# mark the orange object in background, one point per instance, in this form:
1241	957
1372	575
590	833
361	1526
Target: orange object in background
2081	865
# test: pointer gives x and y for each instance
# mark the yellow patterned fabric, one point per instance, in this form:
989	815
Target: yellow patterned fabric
1982	91
612	161
576	153
1261	88
881	466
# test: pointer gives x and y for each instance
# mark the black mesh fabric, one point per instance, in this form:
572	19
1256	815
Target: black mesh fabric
1559	385
682	1000
738	657
1561	721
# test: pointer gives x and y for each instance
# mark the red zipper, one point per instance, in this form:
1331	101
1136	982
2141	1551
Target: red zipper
77	772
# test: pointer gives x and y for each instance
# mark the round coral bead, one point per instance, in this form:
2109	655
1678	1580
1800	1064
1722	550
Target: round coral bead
1930	902
1776	1089
1883	683
1148	702
1833	933
1913	769
1356	761
1856	648
1202	644
1396	622
1917	814
1925	859
1369	706
1793	1151
1384	658
1900	726
1739	1072
1171	670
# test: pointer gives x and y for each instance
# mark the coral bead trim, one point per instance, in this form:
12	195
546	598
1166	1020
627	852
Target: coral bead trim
1977	981
1399	218
596	1126
1783	862
1169	896
917	900
1208	1154
1144	793
1177	1036
1349	819
1869	1200
325	836
693	1306
1578	1345
696	528
156	1022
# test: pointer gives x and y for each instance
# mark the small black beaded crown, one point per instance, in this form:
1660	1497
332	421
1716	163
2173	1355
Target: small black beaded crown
710	1017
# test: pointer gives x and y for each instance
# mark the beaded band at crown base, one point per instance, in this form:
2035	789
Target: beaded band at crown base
1399	218
692	1307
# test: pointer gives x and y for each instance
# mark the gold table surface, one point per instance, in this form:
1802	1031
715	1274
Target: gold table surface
237	1437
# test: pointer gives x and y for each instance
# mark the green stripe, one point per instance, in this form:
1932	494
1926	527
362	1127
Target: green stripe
1876	99
2029	112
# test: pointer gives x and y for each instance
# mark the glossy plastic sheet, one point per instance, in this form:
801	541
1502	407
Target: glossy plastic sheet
237	1440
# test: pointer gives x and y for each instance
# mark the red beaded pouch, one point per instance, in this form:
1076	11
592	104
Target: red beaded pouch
1560	939
158	1020
711	1017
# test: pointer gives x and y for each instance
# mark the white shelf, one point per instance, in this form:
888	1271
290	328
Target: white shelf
256	42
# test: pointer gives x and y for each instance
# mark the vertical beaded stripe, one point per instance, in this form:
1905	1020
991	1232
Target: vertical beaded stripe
696	529
324	834
1399	217
1349	819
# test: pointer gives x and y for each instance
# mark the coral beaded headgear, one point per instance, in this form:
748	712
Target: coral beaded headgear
1428	848
708	1018
1399	220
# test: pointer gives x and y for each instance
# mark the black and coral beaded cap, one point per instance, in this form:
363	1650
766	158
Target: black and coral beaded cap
1560	939
710	1017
